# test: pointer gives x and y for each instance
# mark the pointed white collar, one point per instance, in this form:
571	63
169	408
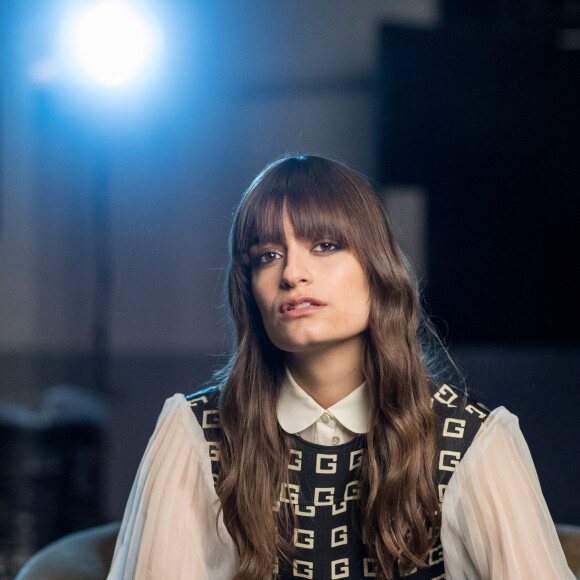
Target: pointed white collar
297	410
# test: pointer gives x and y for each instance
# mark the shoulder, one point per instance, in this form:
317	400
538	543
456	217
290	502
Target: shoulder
205	405
459	418
453	406
209	396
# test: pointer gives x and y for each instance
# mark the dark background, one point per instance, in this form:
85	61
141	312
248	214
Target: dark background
487	119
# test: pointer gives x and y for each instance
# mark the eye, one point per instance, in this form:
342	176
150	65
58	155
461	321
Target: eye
326	247
266	257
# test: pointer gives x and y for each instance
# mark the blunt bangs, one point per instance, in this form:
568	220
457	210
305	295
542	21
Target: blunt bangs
322	198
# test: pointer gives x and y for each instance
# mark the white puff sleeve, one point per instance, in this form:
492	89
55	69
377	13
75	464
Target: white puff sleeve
169	527
495	521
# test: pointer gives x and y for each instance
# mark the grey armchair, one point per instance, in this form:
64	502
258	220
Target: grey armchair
84	555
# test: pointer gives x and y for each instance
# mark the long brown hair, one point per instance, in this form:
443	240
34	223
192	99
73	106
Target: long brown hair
399	503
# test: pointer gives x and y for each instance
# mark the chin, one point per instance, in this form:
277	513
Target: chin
295	347
306	344
295	344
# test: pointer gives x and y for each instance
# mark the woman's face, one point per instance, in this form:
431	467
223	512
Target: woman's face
312	294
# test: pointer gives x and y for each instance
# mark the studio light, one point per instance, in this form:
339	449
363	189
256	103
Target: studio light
112	42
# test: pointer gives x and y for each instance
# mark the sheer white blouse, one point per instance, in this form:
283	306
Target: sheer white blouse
496	525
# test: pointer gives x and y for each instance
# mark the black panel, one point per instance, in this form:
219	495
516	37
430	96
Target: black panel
489	123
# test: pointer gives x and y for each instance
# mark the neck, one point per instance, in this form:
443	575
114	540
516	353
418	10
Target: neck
327	377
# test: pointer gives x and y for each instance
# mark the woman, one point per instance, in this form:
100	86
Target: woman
329	449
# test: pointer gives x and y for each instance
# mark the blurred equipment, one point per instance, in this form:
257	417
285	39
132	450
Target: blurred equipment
50	472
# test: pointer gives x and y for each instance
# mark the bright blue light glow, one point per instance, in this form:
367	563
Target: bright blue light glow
112	43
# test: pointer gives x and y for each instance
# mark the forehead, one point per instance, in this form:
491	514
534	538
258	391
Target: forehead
279	217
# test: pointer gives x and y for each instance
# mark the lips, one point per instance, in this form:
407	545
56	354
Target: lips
300	303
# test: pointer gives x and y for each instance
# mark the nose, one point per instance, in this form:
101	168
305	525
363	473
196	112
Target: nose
296	269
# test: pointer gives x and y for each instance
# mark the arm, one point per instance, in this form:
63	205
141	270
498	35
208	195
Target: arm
169	527
495	521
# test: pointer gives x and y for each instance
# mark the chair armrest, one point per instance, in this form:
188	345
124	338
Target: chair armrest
84	555
570	539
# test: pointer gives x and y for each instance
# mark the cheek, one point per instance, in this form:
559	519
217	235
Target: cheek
260	295
364	304
356	281
256	295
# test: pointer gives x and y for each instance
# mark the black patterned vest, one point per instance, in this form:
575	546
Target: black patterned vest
325	490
